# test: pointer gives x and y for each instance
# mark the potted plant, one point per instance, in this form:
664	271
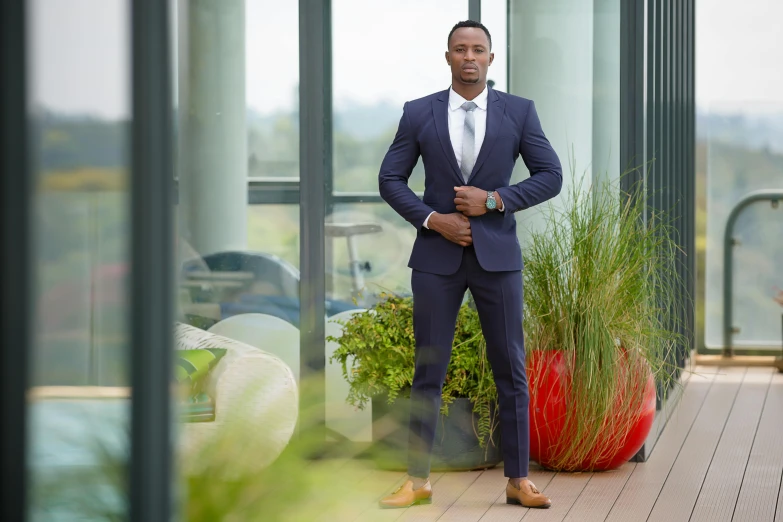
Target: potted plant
601	311
376	352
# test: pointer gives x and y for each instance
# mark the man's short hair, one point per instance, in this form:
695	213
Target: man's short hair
469	23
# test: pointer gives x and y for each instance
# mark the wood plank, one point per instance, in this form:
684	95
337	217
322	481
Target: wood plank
600	494
645	483
449	488
499	511
682	486
564	490
478	498
761	485
779	514
669	406
718	495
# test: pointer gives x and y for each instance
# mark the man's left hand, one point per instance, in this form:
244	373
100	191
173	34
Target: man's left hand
471	201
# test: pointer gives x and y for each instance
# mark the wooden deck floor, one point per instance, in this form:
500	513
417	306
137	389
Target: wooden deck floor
719	458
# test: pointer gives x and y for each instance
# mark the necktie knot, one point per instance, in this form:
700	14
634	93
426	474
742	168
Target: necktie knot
469	106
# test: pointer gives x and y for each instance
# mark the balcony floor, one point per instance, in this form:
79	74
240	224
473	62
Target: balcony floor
720	457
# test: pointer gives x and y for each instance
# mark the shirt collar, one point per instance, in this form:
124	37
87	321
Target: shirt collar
456	101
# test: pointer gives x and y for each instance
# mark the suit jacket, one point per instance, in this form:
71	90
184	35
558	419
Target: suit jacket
513	129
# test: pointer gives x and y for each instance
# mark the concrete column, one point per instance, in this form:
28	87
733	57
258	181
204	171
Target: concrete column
212	125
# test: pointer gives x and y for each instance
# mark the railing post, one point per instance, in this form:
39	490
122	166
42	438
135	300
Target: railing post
771	195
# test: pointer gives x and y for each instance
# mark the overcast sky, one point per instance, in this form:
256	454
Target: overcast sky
382	51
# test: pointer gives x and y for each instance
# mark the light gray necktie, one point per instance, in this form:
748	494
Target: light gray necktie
468	141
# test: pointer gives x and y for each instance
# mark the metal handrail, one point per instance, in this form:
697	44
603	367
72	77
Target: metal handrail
773	196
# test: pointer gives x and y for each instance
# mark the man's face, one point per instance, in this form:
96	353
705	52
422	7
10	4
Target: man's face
469	55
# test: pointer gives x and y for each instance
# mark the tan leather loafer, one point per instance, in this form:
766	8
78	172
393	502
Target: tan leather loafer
527	496
406	496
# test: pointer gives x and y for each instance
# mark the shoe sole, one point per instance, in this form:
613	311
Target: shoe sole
415	503
517	502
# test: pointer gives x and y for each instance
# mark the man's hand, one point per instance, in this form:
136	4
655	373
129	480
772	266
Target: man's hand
454	227
471	201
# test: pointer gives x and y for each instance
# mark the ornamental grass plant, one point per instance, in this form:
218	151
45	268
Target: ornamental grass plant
602	286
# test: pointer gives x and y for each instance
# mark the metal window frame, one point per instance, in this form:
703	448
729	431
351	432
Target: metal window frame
474	10
315	164
632	160
17	262
151	289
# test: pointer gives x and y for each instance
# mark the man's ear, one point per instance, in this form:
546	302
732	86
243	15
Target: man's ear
491	58
448	59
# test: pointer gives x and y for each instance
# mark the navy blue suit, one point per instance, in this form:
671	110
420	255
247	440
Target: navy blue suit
490	268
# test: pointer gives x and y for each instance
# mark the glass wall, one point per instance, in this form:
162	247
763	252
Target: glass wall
740	152
79	111
238	123
565	56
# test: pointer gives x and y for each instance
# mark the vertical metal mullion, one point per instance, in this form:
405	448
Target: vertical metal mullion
651	108
631	92
691	165
17	272
665	105
152	196
509	36
474	10
315	160
674	171
659	159
679	192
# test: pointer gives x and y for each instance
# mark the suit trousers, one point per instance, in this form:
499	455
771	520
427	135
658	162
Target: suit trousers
436	303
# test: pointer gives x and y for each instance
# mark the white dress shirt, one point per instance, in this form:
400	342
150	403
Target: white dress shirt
457	125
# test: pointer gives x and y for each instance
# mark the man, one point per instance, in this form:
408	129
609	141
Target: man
469	138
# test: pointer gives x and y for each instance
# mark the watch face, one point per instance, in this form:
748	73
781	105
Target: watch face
491	203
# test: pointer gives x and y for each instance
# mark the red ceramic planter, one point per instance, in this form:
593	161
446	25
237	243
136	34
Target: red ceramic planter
549	380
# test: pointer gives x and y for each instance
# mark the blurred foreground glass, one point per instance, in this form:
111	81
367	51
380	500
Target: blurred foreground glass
79	117
238	256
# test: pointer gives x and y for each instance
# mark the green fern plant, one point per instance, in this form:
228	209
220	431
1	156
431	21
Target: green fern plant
376	352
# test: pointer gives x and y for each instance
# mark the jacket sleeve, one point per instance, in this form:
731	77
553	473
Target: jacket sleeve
546	174
396	169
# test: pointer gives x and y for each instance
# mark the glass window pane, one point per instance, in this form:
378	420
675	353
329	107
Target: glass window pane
79	116
381	256
384	55
740	150
494	15
272	90
566	58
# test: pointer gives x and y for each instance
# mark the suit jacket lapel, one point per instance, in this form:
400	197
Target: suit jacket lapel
440	114
496	108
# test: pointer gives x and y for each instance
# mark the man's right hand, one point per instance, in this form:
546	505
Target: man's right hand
454	227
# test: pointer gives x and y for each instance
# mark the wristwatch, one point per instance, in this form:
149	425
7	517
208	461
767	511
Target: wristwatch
492	203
